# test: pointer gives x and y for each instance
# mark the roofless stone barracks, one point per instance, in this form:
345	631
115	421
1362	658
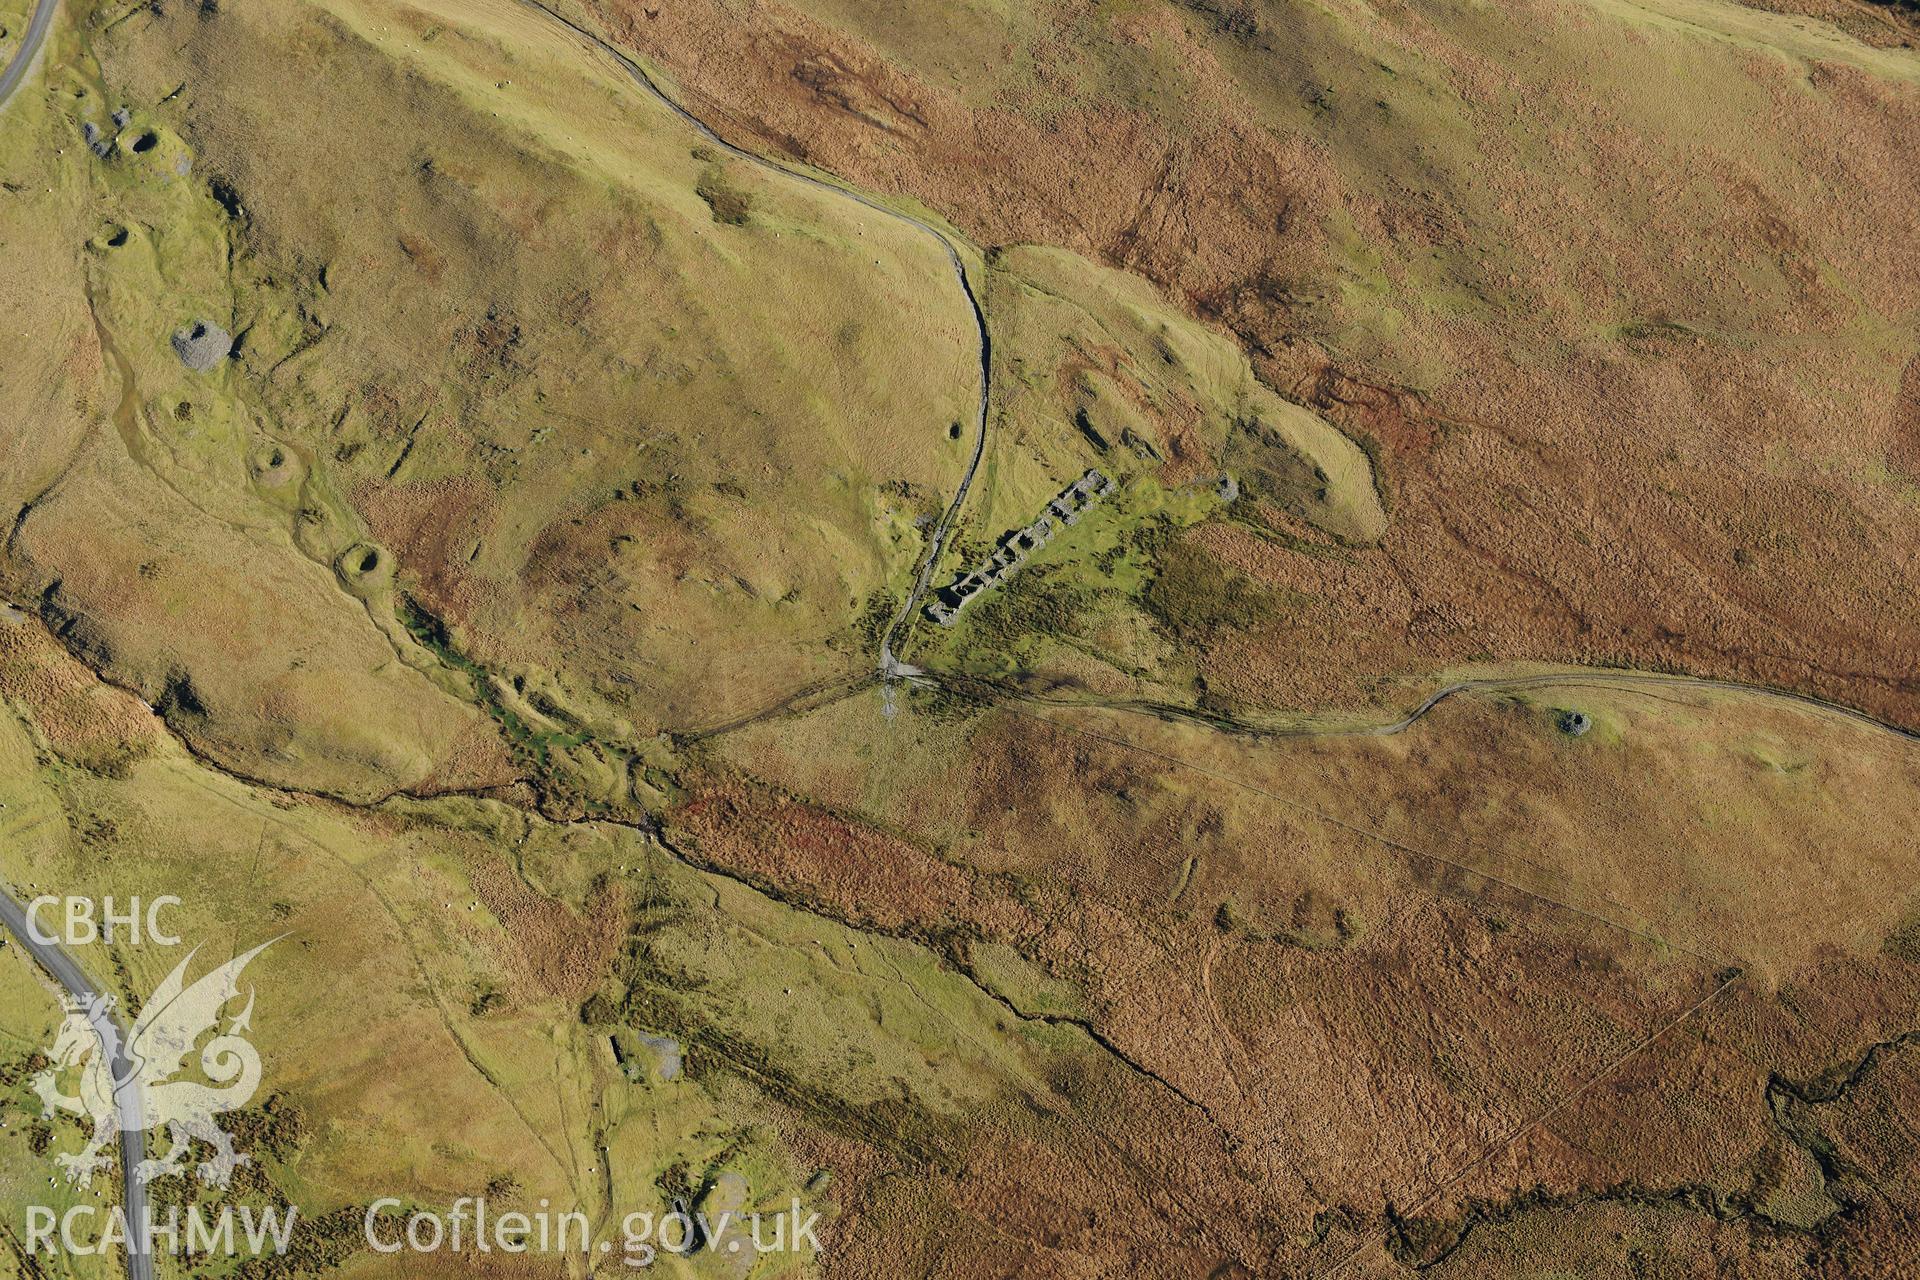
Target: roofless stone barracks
1015	547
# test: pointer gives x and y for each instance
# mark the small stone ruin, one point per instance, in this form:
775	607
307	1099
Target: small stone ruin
202	345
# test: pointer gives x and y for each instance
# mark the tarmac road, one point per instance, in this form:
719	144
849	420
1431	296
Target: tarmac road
127	1100
37	27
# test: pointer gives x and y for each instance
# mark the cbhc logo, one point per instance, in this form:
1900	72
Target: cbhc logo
82	928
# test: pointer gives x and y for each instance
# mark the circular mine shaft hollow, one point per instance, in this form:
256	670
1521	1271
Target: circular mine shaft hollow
365	568
273	464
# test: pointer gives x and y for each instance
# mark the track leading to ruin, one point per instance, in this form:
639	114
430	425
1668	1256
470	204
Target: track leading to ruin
890	666
1570	677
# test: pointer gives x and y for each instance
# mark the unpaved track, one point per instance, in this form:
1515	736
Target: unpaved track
1635	680
890	667
1572	677
923	576
73	979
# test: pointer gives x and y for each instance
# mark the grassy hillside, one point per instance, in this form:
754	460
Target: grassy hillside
518	354
1617	291
454	505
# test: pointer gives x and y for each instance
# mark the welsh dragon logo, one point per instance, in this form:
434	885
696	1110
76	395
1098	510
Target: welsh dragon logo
135	1089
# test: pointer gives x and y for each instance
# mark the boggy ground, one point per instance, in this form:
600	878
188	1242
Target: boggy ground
1618	293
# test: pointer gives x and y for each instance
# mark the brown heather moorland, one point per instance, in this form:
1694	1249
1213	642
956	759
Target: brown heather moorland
1623	296
498	625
